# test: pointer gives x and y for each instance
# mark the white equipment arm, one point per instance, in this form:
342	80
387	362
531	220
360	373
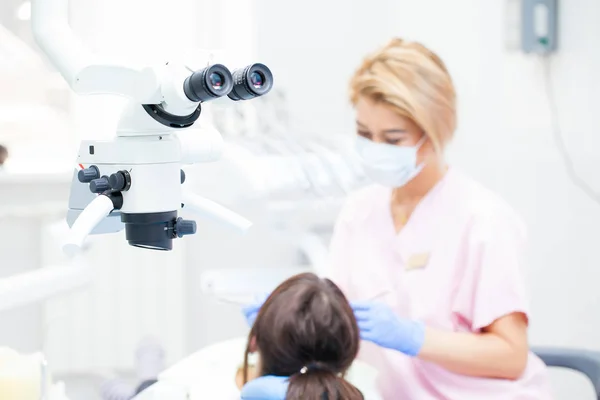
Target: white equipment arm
83	71
209	209
316	251
35	286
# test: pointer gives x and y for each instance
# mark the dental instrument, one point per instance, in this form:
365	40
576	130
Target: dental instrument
134	180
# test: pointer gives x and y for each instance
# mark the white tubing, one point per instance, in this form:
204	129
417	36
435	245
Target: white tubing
209	209
35	286
91	216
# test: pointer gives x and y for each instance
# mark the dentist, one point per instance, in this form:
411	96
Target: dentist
445	251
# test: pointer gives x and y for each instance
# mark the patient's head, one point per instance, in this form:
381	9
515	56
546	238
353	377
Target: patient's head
306	330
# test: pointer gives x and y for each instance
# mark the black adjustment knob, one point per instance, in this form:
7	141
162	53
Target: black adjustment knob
88	174
120	181
100	185
182	176
184	227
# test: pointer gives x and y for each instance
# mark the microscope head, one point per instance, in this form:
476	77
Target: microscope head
135	180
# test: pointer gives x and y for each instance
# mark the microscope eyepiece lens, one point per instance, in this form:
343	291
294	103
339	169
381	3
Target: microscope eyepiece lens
209	83
257	79
216	80
250	82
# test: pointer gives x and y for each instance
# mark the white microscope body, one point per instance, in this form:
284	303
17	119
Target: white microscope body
134	181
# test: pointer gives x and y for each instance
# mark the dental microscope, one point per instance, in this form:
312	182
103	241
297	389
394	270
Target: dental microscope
134	181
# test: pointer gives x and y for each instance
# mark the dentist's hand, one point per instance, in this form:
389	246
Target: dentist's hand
378	324
251	311
265	388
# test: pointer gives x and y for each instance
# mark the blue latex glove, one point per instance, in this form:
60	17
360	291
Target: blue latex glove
251	311
265	388
378	324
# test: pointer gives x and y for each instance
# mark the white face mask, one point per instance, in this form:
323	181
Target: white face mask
387	164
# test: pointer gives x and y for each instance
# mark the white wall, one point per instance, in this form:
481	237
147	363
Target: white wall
504	138
21	214
523	162
519	157
20	329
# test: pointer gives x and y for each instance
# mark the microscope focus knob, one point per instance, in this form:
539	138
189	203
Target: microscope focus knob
185	227
88	174
100	185
120	181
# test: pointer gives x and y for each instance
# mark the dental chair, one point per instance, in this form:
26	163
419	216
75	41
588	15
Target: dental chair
584	361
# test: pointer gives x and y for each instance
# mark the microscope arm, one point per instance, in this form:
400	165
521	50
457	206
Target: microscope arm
209	209
83	71
90	217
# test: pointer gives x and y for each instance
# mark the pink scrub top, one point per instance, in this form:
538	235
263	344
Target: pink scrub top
455	265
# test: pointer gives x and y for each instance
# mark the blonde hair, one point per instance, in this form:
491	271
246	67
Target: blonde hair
415	82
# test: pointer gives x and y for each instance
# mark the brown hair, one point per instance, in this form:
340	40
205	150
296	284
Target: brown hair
306	330
414	82
3	154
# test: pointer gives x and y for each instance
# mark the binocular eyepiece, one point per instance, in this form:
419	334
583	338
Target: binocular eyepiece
217	81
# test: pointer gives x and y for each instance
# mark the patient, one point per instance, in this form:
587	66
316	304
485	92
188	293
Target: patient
305	330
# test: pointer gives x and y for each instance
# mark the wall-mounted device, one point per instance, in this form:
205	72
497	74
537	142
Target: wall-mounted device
539	26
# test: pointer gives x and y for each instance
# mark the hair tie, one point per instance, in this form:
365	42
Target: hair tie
316	366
